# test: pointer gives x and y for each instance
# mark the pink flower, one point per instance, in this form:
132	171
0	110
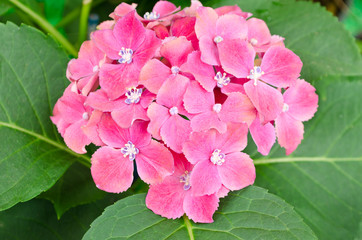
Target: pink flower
112	165
218	160
211	30
300	104
173	197
126	109
279	67
70	115
131	45
84	70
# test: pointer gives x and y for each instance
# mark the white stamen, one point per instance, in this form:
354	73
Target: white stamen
255	74
217	107
133	95
151	16
221	79
130	150
173	110
285	107
126	55
217	157
253	41
185	178
218	39
175	70
95	68
85	116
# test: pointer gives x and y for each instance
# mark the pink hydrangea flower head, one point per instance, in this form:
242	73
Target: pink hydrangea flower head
112	165
130	45
218	160
173	197
300	104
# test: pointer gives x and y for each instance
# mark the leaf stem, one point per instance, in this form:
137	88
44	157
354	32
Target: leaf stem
83	23
46	26
188	226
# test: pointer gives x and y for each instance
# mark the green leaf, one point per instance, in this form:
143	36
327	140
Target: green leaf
54	10
252	213
36	219
76	187
32	78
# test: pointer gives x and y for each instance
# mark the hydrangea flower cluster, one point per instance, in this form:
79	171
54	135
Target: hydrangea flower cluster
176	93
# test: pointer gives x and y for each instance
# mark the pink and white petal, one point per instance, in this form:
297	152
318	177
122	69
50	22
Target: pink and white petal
147	50
105	41
237	172
99	100
176	50
202	72
289	132
231	26
164	8
154	74
75	138
158	115
236	57
238	108
234	139
259	31
263	136
281	66
91	128
172	91
266	99
198	100
205	179
223	192
111	171
200	146
302	100
175	131
166	199
200	209
154	162
209	51
129	31
112	134
205	22
208	120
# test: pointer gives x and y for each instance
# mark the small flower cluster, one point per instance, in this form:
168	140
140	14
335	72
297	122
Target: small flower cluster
177	92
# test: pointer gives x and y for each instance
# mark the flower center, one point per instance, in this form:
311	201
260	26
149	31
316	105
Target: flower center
253	41
95	68
185	178
217	107
126	55
85	116
130	150
151	16
217	157
285	107
133	95
255	74
221	79
218	39
173	111
175	70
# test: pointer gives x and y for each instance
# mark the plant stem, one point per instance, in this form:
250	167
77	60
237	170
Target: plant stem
46	26
83	24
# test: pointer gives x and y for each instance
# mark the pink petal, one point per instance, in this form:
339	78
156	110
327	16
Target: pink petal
237	108
200	209
266	99
236	57
183	27
281	66
88	84
237	172
111	172
172	91
197	99
205	22
139	135
122	9
154	162
147	50
166	199
164	8
176	51
108	24
231	26
161	31
154	74
223	192
100	101
147	98
263	136
111	134
232	10
175	131
75	138
259	31
209	51
202	72
207	120
91	128
79	68
233	140
71	106
289	132
205	179
124	116
158	116
200	146
302	100
106	41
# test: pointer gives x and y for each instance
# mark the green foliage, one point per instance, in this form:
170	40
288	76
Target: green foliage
252	213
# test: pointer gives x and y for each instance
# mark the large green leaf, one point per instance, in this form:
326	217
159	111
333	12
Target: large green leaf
32	78
252	213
